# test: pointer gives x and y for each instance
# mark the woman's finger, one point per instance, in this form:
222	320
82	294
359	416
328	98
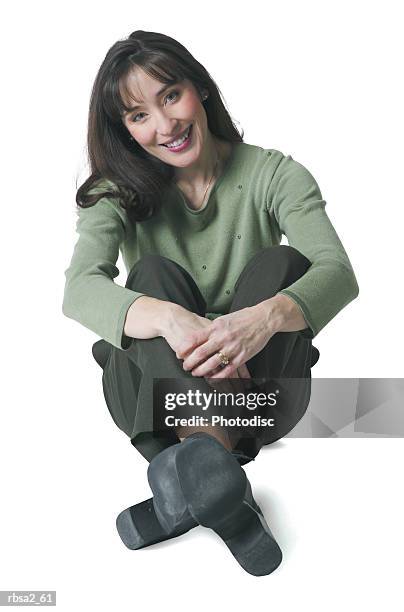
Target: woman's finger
188	349
243	371
203	368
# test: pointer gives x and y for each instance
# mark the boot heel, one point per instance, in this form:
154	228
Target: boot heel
251	542
138	526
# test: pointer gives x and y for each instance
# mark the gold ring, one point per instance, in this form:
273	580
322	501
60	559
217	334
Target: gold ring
224	360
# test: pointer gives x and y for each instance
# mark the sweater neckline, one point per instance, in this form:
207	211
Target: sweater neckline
216	184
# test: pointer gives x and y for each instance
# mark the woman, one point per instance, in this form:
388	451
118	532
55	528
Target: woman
211	295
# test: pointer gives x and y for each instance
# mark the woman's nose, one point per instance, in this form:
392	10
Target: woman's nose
165	126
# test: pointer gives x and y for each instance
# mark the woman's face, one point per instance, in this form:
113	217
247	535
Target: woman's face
164	114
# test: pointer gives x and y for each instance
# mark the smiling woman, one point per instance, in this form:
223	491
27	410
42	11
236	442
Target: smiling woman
148	91
211	295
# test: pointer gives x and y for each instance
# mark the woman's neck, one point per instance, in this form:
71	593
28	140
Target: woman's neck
211	162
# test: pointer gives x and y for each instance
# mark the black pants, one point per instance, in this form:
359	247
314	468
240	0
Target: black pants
128	374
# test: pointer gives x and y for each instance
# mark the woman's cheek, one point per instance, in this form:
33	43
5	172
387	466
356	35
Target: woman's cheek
143	137
190	104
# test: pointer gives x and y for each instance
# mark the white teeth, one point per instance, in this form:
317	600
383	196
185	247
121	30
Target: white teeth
178	142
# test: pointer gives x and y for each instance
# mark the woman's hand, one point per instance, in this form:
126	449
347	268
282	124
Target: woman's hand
239	335
182	326
183	331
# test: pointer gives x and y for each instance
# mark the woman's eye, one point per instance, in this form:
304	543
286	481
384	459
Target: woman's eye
172	93
134	118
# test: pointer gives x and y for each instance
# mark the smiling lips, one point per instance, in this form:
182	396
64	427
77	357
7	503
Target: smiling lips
176	144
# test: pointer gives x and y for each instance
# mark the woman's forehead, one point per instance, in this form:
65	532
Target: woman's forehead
131	86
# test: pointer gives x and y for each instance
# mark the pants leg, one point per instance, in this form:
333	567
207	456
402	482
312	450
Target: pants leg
128	375
288	356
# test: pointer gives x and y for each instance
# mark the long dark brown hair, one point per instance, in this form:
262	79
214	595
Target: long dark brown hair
136	178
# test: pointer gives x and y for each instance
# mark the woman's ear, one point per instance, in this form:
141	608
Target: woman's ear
204	95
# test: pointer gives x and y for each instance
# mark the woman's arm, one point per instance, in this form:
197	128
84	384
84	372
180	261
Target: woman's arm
295	203
91	296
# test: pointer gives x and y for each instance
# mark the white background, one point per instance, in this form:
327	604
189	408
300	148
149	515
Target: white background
321	81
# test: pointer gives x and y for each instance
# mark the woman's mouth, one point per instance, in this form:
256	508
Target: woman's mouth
181	143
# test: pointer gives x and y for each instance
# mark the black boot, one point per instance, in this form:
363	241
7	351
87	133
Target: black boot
138	526
199	479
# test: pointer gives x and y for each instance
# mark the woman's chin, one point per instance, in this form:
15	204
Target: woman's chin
186	158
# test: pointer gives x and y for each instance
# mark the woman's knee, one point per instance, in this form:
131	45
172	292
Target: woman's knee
286	262
286	255
150	265
162	278
296	263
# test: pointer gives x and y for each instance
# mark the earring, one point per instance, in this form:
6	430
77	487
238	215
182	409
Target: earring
205	96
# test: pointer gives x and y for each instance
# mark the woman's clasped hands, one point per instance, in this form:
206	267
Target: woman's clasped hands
198	341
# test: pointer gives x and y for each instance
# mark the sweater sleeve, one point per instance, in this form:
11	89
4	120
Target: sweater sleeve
295	200
91	296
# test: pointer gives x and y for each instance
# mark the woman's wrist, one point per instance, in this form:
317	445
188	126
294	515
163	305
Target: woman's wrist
281	314
148	317
166	317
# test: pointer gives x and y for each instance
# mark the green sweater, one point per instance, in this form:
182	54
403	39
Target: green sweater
260	195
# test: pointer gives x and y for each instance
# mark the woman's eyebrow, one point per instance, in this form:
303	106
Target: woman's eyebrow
160	91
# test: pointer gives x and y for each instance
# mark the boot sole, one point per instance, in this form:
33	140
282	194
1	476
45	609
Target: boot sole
214	485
